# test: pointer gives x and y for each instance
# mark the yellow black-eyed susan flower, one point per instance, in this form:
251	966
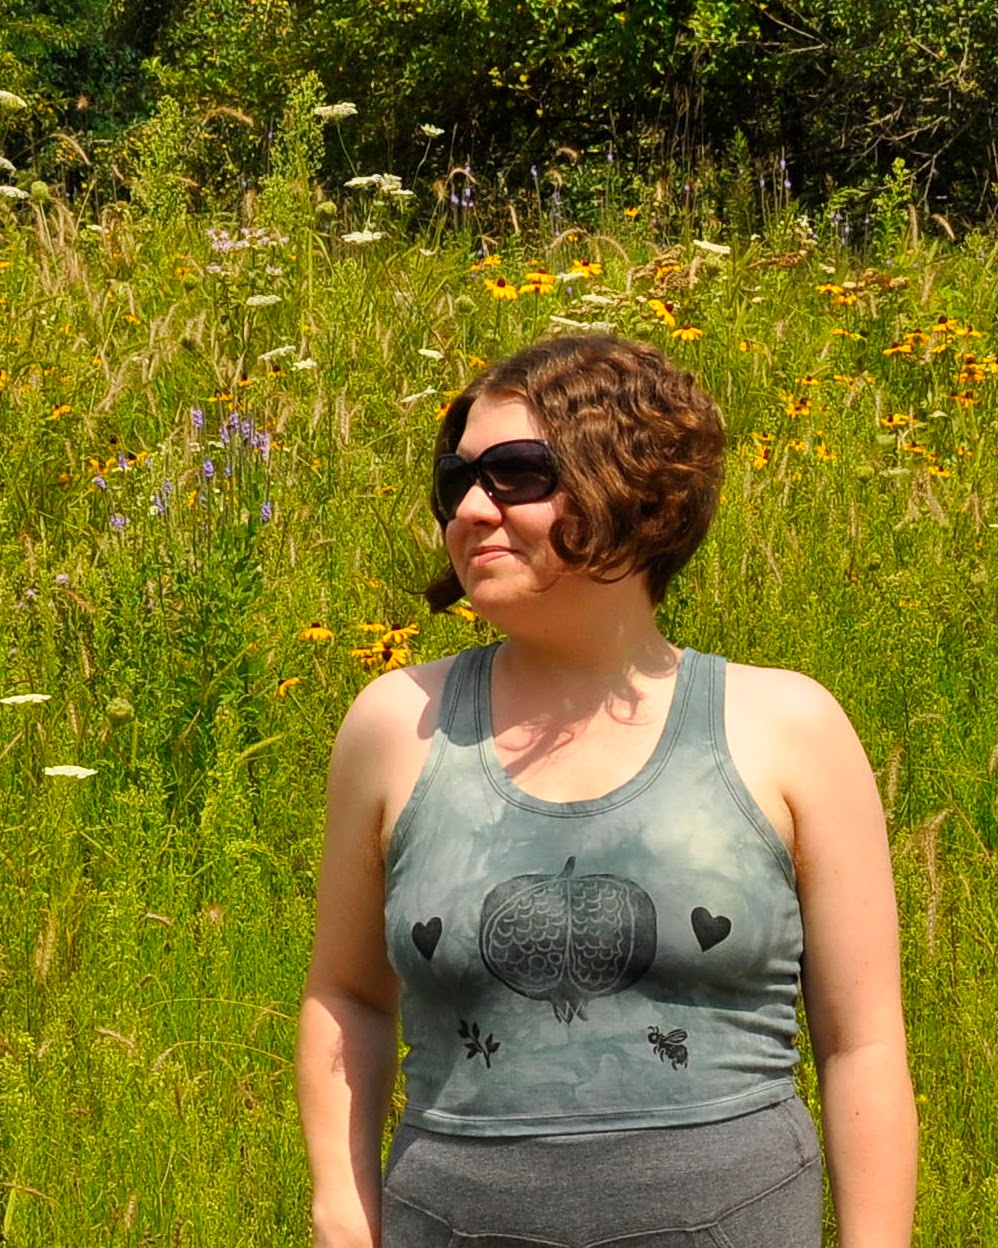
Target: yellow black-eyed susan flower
501	289
284	685
315	632
687	333
663	311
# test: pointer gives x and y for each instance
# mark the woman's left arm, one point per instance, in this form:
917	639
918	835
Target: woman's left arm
851	973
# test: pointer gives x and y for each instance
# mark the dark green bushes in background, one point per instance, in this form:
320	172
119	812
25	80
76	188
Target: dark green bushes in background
822	94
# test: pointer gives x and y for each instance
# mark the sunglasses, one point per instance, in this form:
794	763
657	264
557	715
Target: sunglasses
522	471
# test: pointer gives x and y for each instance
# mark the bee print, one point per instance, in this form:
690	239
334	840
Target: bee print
669	1046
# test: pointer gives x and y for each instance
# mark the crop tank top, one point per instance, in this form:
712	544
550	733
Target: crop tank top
630	960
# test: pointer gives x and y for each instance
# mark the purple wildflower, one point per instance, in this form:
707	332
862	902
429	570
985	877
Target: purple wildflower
118	522
266	511
246	429
209	469
100	483
197	418
158	504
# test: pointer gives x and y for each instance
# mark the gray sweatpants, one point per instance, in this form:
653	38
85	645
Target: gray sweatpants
750	1182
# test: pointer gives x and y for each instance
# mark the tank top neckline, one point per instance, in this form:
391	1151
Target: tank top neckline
504	784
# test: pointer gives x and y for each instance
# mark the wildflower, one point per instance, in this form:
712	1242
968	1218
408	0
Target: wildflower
390	650
197	418
914	448
796	407
829	288
587	268
845	300
262	301
61	410
100	483
68	769
663	311
486	262
285	685
118	522
335	112
9	100
304	366
13	192
363	180
663	270
62	578
501	289
809	380
464	613
430	132
746	344
936	471
848	333
899	348
944	325
476	361
897	420
266	512
631	213
430	353
966	399
208	468
688	333
315	632
24	699
917	338
539	282
363	236
823	453
795	444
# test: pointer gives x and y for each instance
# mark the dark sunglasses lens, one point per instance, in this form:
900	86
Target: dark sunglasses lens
453	477
519	472
512	472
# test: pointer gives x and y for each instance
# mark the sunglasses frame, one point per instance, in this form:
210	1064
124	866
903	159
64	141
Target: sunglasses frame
475	472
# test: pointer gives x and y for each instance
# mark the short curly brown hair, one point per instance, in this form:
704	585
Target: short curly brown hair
640	450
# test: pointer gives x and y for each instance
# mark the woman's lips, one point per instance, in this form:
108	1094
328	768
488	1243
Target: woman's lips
487	554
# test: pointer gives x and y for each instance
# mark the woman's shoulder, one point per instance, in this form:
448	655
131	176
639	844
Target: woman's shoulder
789	714
787	694
404	699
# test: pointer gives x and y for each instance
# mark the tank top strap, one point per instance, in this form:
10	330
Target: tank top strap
460	719
702	690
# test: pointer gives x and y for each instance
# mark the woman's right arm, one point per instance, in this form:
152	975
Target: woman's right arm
347	1029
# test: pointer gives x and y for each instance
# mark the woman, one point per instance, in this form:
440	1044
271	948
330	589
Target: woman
593	863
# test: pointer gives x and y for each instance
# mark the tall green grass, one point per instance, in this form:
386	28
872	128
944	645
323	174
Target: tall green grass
155	917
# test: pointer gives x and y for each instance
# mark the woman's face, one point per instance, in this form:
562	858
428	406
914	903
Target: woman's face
502	551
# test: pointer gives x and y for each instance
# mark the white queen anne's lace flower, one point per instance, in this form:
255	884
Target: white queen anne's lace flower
262	301
336	112
13	192
9	100
431	132
71	770
362	236
23	699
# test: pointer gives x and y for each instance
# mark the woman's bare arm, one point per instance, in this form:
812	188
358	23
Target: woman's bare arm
851	976
347	1032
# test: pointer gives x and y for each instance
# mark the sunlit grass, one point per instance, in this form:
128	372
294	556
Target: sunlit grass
213	531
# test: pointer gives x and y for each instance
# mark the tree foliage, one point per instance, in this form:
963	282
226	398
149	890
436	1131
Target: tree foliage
839	88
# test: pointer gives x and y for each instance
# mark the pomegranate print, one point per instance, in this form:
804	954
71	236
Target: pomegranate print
567	938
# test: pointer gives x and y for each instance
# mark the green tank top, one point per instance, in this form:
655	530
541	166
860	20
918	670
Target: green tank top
630	960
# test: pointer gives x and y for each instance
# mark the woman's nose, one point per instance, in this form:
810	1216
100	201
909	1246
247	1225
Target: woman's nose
478	506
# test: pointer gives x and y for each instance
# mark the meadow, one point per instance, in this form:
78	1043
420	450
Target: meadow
215	441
